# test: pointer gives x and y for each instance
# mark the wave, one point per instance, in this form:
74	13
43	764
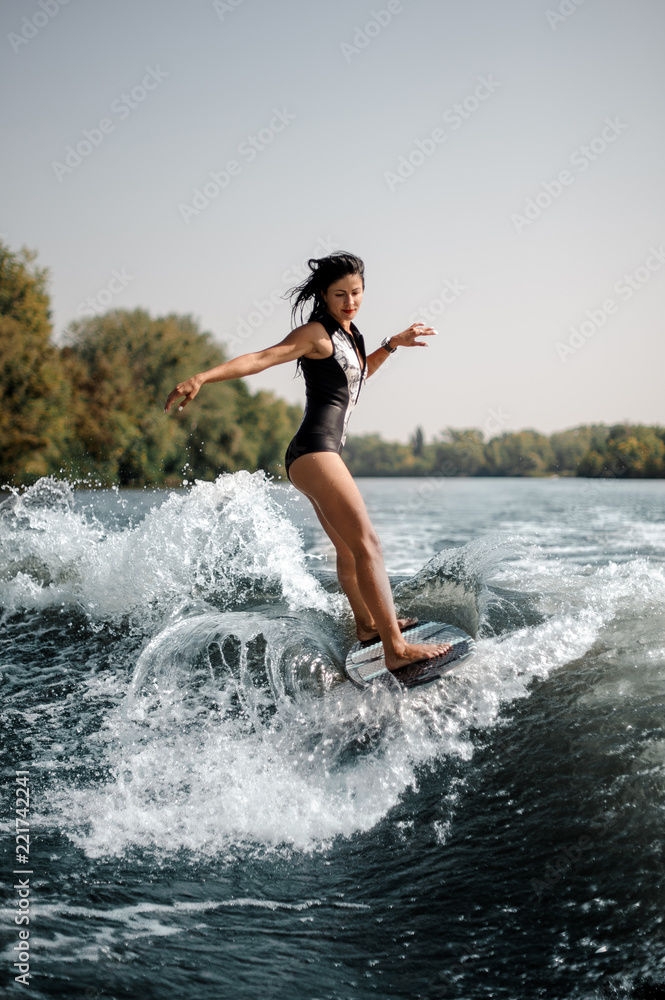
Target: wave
224	543
234	733
250	662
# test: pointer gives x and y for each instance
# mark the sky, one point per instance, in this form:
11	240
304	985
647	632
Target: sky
497	164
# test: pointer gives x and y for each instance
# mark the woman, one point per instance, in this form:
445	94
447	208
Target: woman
331	353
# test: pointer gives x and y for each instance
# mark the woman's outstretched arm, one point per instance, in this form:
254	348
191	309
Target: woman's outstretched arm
408	338
301	341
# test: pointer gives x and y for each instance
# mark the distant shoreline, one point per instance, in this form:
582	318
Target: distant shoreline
591	451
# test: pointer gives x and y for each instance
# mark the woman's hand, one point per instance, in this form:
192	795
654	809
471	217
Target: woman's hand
189	389
408	338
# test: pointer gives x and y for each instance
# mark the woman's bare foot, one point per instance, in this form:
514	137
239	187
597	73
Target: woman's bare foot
416	653
369	633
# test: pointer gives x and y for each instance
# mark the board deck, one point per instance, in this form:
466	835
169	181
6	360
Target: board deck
365	664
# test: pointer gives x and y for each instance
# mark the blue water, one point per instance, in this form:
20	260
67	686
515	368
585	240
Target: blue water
215	812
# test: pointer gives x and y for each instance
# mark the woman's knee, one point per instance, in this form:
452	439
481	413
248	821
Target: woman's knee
346	561
366	544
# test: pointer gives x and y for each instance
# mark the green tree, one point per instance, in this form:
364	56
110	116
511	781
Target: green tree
418	442
370	455
268	424
640	449
34	390
96	407
124	364
460	452
524	453
630	450
572	447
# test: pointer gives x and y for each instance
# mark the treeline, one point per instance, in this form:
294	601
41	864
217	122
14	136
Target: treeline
93	408
632	451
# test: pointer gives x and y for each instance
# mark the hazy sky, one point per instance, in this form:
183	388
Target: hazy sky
498	164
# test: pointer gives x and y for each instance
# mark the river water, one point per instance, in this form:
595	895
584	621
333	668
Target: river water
214	812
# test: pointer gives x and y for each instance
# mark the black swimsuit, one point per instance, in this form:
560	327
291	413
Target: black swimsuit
332	387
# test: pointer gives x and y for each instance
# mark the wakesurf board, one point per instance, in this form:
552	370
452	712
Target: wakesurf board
366	664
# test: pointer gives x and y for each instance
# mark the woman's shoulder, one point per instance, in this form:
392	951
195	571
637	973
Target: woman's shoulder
314	329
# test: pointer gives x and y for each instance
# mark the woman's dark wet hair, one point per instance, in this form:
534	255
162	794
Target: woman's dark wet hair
325	272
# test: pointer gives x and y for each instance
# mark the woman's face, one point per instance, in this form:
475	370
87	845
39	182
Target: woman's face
343	298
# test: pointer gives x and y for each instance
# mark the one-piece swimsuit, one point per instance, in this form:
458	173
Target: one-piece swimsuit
332	387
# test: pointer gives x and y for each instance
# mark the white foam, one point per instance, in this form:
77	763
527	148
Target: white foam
117	926
218	785
214	774
217	542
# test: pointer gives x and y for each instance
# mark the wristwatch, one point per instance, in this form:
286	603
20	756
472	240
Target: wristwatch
385	343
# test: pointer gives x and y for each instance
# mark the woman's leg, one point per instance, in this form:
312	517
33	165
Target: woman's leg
346	574
323	477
